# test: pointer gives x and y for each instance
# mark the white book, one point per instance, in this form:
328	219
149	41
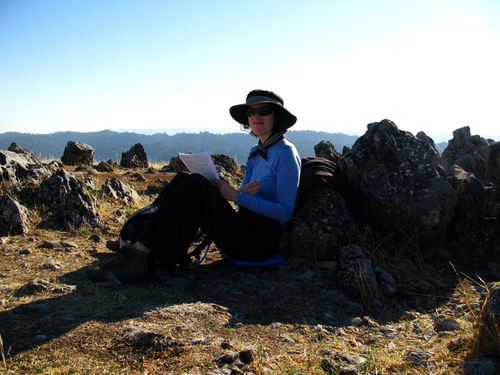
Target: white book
201	163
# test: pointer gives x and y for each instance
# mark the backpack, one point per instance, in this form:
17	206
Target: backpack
139	219
136	223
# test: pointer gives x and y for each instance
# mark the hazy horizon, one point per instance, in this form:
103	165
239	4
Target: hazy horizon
436	136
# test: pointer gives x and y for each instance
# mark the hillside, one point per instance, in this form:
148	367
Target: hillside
352	296
284	319
161	147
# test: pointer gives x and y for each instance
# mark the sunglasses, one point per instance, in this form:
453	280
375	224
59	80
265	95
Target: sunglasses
262	111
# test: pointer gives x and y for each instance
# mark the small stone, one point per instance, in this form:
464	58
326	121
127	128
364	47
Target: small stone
96	238
357	321
64	288
68	244
247	356
226	345
442	323
306	276
54	266
50	244
457	343
286	338
36	286
417	357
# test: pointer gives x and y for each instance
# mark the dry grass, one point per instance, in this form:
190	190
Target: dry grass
486	338
84	331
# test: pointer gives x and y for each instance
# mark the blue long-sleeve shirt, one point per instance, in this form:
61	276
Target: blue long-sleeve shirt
279	175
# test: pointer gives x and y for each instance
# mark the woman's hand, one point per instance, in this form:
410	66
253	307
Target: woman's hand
226	190
231	194
251	188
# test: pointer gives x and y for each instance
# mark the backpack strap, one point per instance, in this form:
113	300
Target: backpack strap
205	243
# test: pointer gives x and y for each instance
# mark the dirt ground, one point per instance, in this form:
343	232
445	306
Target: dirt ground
288	317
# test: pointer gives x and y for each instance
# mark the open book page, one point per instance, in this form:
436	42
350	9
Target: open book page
201	163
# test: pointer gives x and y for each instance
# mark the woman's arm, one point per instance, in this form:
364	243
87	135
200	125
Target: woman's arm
279	203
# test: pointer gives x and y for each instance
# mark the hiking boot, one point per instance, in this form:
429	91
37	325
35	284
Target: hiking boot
128	265
113	245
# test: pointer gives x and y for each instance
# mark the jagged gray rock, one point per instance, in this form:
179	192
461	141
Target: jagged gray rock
16	147
14	218
470	152
323	226
343	363
116	189
136	157
104	167
493	164
424	137
326	149
402	183
78	153
17	167
226	162
356	275
68	203
469	213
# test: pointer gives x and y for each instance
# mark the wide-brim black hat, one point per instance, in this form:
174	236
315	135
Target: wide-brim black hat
238	112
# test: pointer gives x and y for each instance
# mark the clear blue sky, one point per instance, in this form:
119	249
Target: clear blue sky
339	65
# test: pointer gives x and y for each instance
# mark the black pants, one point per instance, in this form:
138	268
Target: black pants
191	202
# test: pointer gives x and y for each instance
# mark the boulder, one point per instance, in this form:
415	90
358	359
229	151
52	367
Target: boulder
104	167
468	152
226	162
424	137
69	206
15	147
402	184
176	165
14	218
20	167
78	153
136	157
356	275
326	149
117	190
323	226
468	222
493	164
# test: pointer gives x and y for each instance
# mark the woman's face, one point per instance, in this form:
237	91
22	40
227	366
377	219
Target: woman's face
261	126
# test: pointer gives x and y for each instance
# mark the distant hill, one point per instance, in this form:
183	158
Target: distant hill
161	147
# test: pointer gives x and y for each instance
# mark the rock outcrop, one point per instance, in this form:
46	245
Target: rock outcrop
69	206
469	152
136	157
404	187
23	166
116	189
326	149
78	153
14	218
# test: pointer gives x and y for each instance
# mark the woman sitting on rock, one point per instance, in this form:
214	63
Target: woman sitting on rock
265	199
